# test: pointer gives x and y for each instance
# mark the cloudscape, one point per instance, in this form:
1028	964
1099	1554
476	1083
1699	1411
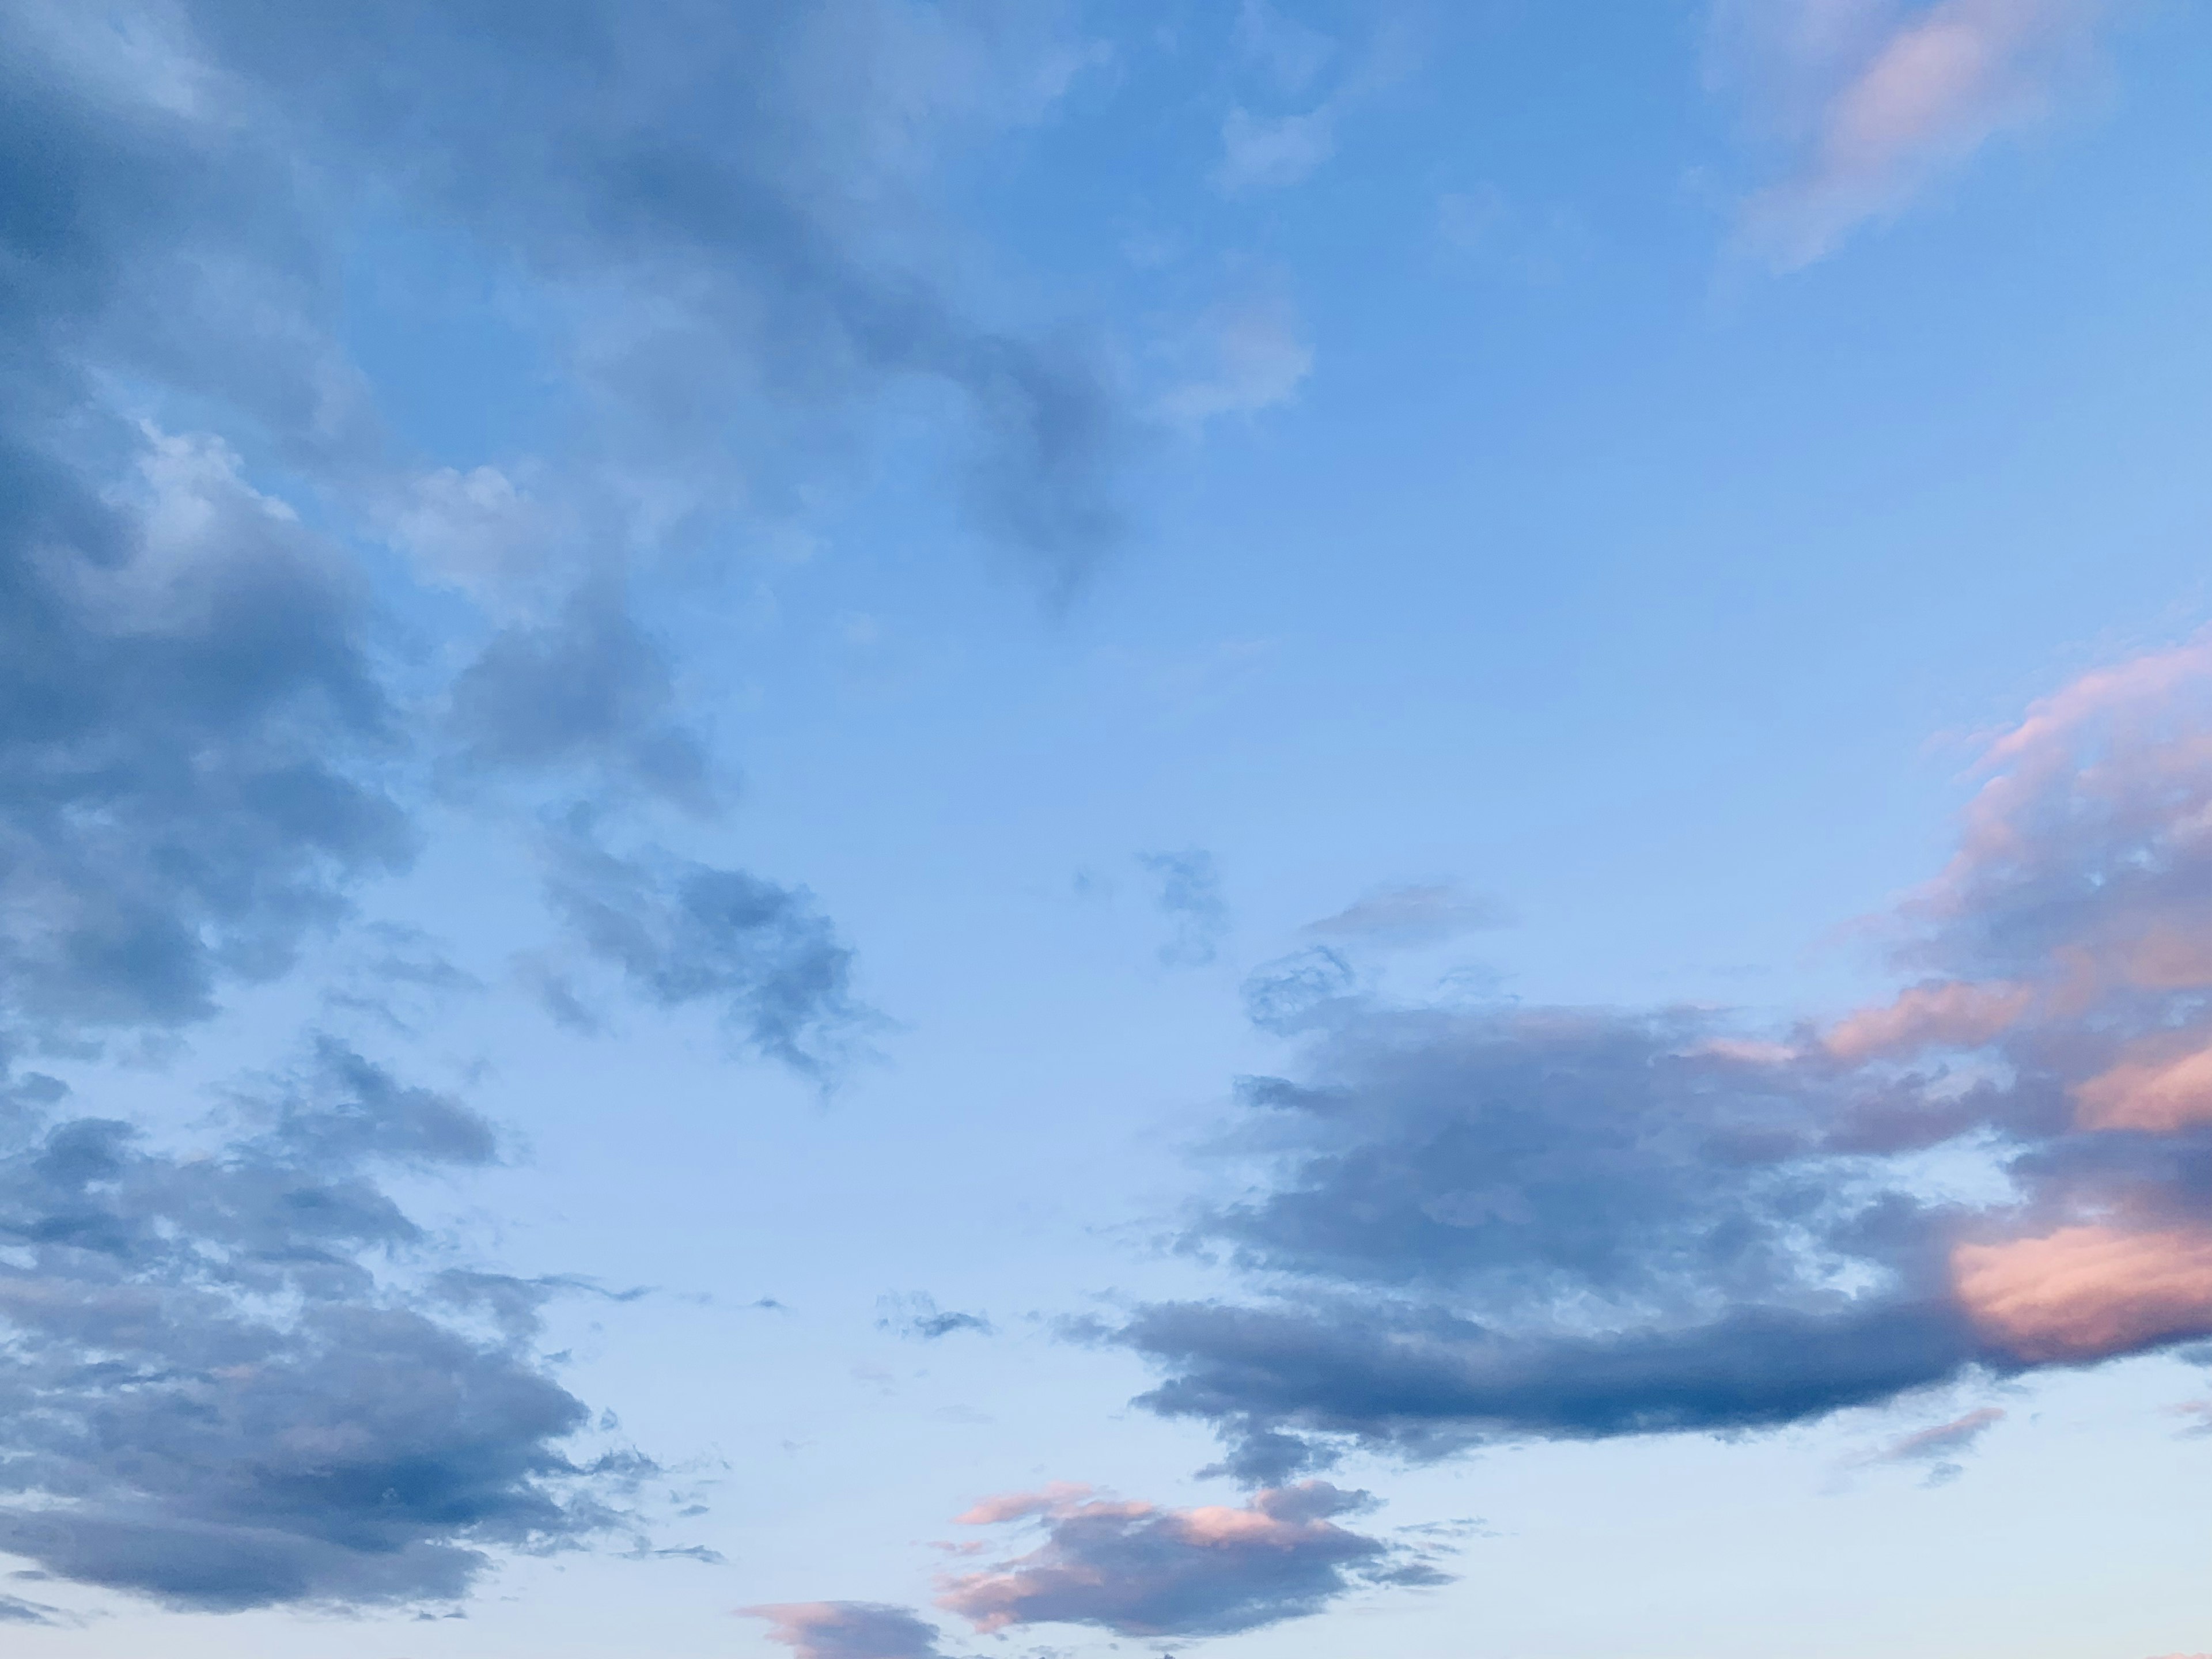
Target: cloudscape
920	829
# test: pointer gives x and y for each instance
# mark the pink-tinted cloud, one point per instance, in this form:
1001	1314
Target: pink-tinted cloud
1952	1015
1944	1439
1877	98
2083	1293
1144	1570
2159	1087
848	1630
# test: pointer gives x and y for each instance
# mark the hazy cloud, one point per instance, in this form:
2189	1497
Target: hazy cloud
588	696
1878	98
1426	912
1246	357
1189	894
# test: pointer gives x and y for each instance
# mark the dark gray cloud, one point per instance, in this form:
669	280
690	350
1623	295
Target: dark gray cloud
1418	914
1139	1570
1471	1224
683	933
848	1630
918	1316
217	1393
1188	893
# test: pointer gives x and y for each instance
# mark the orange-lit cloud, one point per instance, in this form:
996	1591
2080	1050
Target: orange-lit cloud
2083	1293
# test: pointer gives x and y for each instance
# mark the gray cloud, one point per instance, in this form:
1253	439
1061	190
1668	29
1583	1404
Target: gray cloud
848	1630
215	1399
190	724
722	219
15	1612
1473	1224
715	192
683	933
1189	894
1139	1570
588	694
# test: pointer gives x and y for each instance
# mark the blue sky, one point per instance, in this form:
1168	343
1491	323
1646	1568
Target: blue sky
900	830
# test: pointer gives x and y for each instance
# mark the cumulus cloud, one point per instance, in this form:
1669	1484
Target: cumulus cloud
682	932
1189	894
220	1391
1493	1221
848	1630
1878	98
1143	1571
1426	913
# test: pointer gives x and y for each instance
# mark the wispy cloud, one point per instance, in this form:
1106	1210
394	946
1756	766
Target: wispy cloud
1187	891
1418	914
1242	358
1876	99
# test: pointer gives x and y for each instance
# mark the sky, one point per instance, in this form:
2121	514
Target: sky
929	828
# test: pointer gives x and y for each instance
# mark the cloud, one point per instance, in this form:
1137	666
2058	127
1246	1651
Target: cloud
1289	52
223	1390
190	722
1411	917
1189	894
1269	152
715	233
588	695
683	933
1140	1570
919	1317
1252	355
1945	1439
848	1630
1877	98
1476	1223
